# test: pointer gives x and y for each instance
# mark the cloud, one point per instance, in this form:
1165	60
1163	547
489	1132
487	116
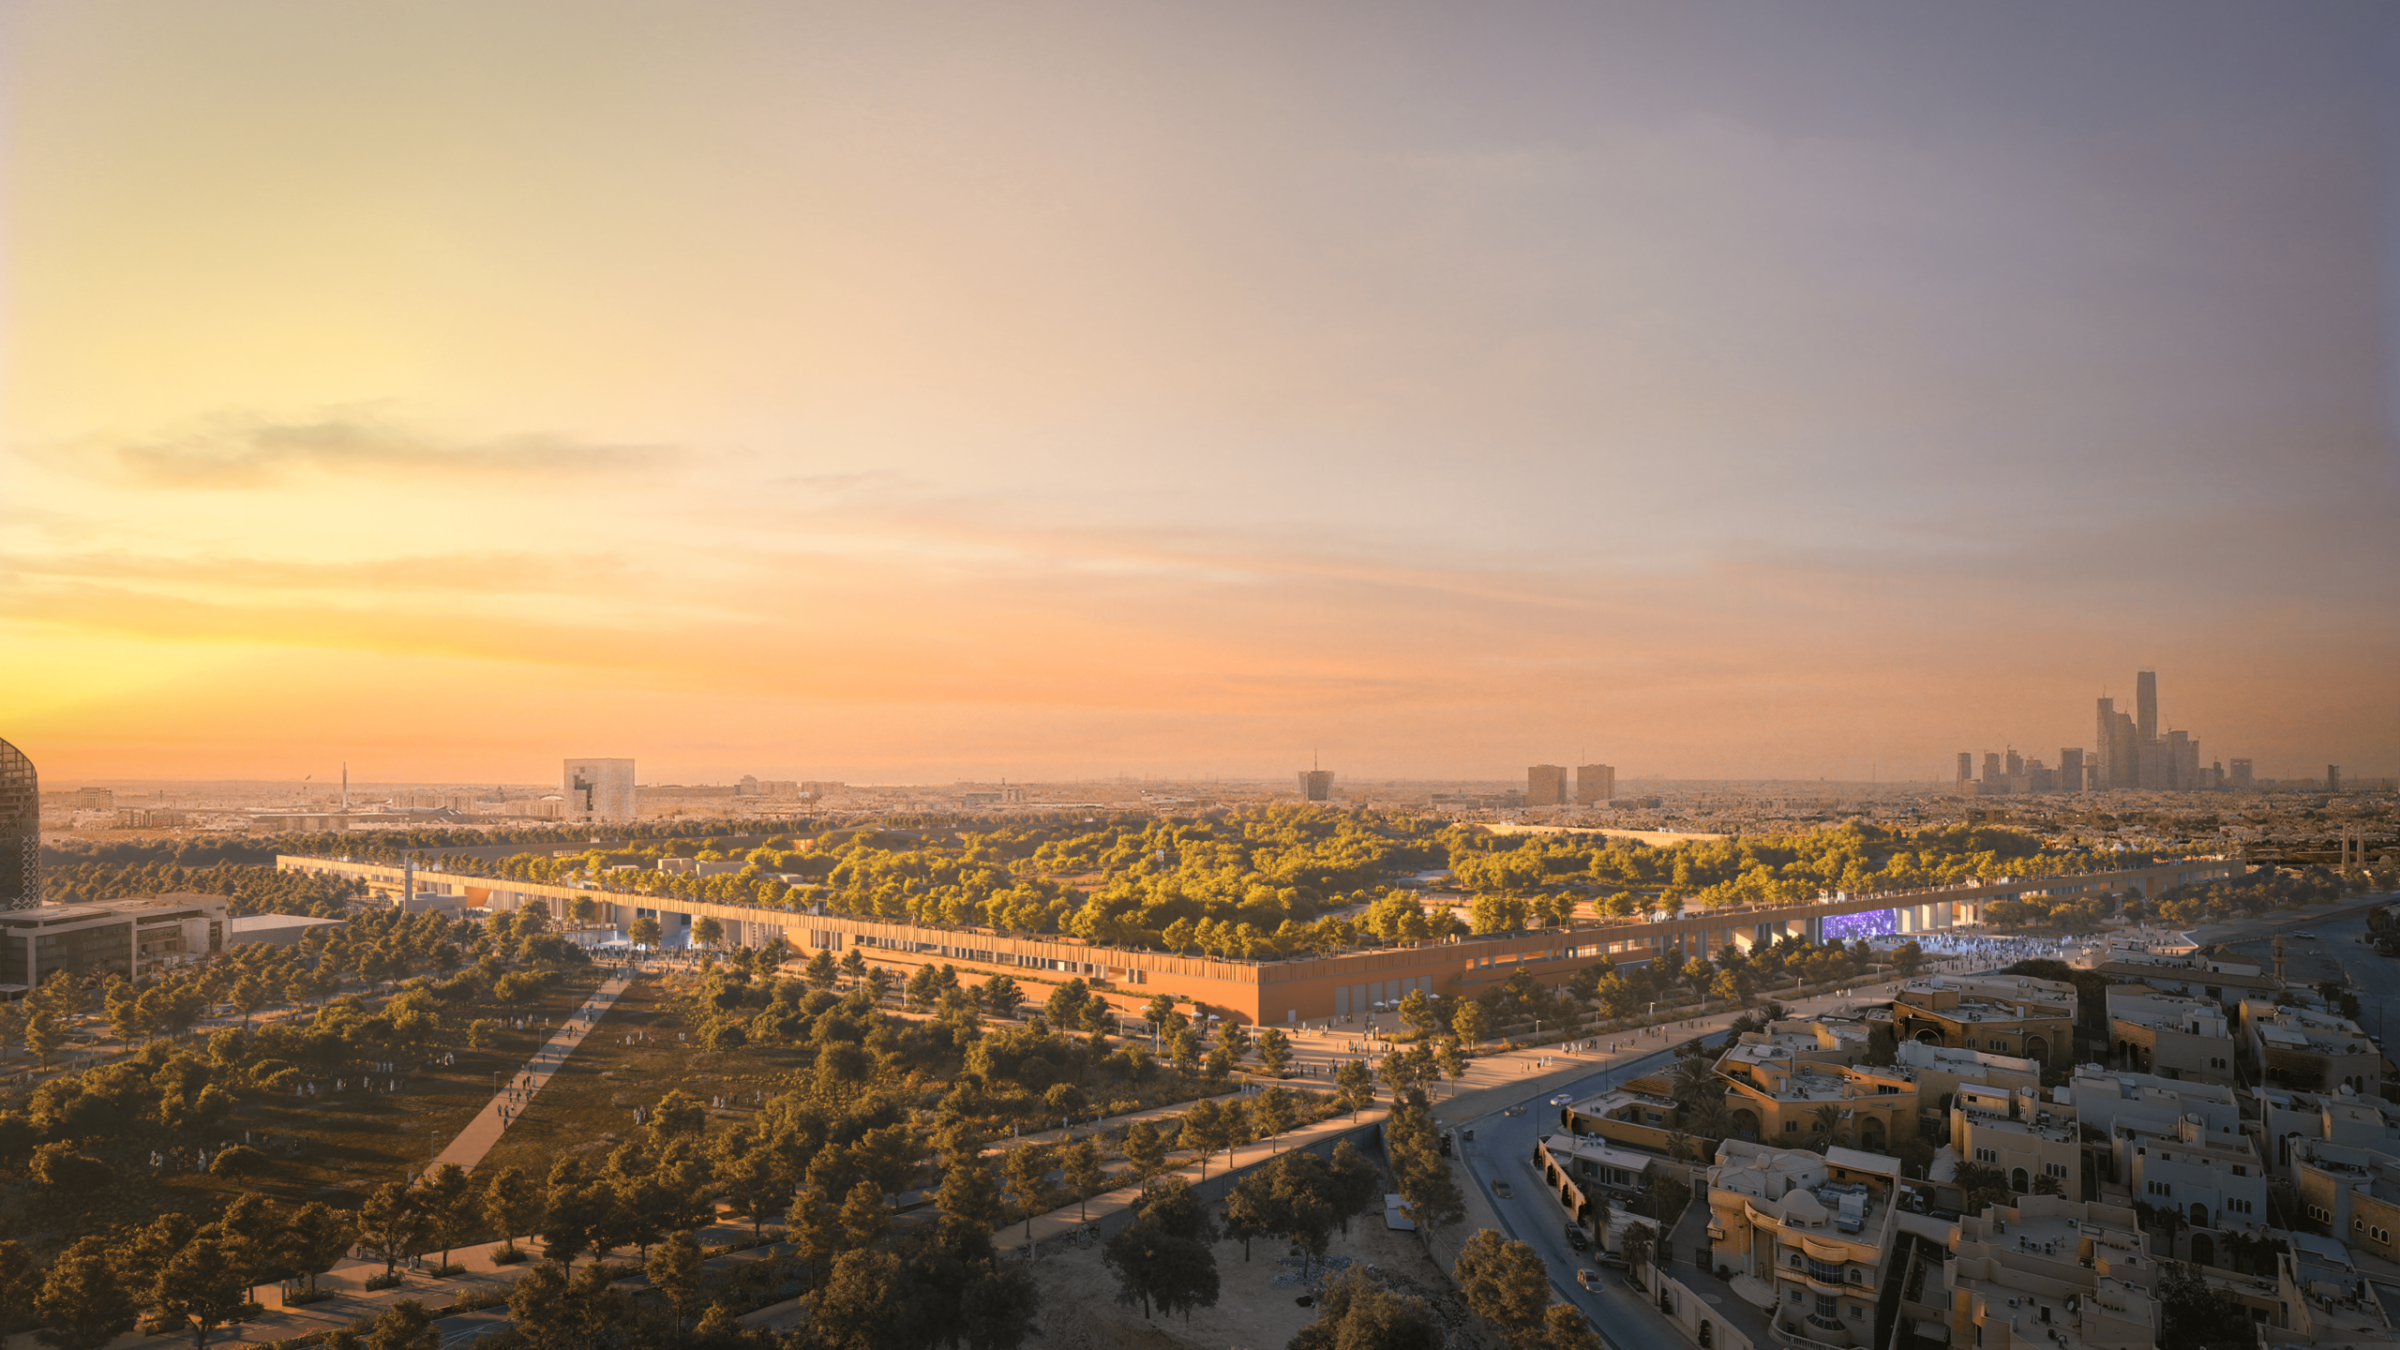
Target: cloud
247	451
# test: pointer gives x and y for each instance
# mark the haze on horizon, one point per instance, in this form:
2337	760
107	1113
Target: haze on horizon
907	393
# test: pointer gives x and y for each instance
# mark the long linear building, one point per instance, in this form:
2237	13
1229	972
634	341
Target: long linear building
1294	989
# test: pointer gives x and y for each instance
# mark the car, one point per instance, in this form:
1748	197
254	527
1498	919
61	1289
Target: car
1503	1190
1577	1238
1611	1261
2310	936
1589	1279
1563	1099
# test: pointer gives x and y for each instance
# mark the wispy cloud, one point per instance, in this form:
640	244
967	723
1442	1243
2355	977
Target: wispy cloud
238	451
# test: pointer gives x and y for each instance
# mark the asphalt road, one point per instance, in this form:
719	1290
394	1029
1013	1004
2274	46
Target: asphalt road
1503	1151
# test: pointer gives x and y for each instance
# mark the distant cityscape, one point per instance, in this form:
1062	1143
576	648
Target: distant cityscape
2132	754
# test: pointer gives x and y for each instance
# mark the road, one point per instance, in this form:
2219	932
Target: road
1503	1151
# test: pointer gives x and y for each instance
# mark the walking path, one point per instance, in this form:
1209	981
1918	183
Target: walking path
492	1121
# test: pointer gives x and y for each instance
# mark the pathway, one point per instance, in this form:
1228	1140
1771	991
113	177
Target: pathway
492	1121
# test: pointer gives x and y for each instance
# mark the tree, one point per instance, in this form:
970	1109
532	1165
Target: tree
447	1196
822	972
1419	1015
674	1270
1354	1086
2196	1315
644	932
82	1305
1083	1174
574	1209
314	1240
1451	1057
1203	1130
1271	1112
405	1325
1160	1012
1252	1209
199	1287
865	1219
1156	1267
1908	959
679	1113
1002	996
969	1201
1028	1167
1635	1248
1566	1328
1353	1185
512	1204
1274	1052
1980	1184
20	1282
854	966
392	1223
1357	1315
1506	1285
1065	1005
1471	1023
1183	1049
1145	1148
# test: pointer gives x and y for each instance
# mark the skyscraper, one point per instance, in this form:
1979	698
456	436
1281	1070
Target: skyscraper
1546	785
20	830
2333	778
1966	766
2242	774
1595	783
598	789
2145	706
2070	769
1316	785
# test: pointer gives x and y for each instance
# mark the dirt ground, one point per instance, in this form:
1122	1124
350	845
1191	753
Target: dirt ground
1080	1309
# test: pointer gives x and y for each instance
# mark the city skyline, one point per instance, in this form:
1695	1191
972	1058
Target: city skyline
1756	395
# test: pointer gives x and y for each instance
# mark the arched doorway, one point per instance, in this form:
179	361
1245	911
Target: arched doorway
2019	1182
1870	1134
1930	1036
1745	1124
2037	1047
2200	1216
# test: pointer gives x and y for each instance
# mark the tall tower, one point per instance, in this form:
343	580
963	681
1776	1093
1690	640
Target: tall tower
1546	785
2145	707
2104	759
20	831
1595	783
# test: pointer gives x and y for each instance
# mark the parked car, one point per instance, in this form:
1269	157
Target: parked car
1504	1190
1563	1099
1611	1261
1589	1279
1577	1238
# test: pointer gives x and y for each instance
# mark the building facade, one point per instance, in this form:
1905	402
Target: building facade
1546	785
110	937
1595	784
20	830
598	790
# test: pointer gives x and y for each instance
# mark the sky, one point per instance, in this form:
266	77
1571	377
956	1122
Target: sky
905	392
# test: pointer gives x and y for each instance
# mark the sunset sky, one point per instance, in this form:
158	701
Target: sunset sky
899	393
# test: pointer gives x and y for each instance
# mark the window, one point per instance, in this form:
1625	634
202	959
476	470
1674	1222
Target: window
2158	1188
2241	1170
2238	1206
2055	1169
2320	1214
1827	1271
1791	1127
1987	1155
1825	1306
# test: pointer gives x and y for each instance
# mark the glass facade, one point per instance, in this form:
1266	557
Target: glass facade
20	830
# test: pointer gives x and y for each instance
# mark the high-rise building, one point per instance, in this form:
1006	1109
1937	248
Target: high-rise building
1966	766
2070	769
1316	785
598	790
1546	785
1991	770
20	830
2333	778
2145	706
1595	784
2016	764
2242	777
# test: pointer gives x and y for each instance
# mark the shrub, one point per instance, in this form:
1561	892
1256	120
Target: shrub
60	1167
240	1160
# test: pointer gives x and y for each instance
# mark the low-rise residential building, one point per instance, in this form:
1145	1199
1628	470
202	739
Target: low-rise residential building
2194	975
2349	1194
1773	1096
2212	1180
2007	1015
2313	1301
1815	1228
1940	1071
2016	1133
2311	1049
2051	1273
1638	1116
2285	1116
2169	1035
2102	1099
1583	1170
